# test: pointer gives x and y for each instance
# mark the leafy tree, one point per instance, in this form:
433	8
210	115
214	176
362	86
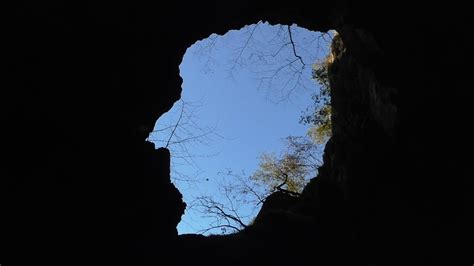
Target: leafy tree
281	172
290	170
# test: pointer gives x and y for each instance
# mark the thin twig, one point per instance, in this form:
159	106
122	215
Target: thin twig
244	47
175	126
220	226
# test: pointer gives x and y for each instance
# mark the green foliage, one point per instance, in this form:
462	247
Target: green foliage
322	130
319	114
320	74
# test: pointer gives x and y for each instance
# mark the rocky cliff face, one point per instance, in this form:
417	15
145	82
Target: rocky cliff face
84	87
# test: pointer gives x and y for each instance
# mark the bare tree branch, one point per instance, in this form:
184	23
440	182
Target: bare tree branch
293	45
244	47
219	212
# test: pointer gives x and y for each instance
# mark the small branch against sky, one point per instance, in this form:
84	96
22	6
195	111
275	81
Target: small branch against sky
181	135
204	50
242	49
176	125
293	46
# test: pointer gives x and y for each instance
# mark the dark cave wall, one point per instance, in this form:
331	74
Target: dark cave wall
85	85
389	156
406	179
80	184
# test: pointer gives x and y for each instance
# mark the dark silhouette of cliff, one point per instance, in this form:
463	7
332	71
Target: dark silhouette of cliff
85	84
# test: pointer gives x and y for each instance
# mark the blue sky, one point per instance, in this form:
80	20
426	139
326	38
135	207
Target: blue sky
242	93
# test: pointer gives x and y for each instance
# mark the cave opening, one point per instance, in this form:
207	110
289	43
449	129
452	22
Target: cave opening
253	118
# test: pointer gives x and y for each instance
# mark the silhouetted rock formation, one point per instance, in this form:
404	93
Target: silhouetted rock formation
85	85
